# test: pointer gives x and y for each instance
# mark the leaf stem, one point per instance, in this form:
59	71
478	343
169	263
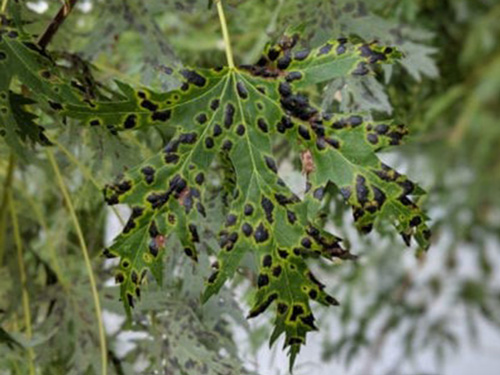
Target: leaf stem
76	223
4	5
3	206
225	34
22	272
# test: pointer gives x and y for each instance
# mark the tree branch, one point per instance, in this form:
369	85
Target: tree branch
56	22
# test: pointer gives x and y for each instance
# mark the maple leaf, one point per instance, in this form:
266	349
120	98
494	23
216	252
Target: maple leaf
232	114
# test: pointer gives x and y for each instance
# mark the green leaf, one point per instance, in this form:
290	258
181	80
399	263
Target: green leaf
232	115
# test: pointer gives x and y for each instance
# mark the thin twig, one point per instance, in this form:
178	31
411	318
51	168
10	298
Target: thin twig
3	206
88	265
56	23
4	6
22	272
225	33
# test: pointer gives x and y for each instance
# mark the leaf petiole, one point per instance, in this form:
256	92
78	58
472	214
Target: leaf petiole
225	34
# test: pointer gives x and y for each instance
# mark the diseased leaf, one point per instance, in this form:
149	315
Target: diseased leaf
232	114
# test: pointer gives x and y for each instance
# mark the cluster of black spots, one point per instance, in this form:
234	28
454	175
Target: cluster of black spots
297	310
214	104
285	89
333	142
332	301
313	278
282	308
176	186
379	196
277	271
298	106
387	174
171	158
283	253
292	218
381	129
108	254
248	210
158	200
201	118
284	124
262	124
267	261
397	135
190	253
294	341
3	56
408	186
247	229
304	133
262	280
306	242
231	220
149	174
217	130
361	190
415	221
134	277
201	209
130	225
284	61
188	138
95	123
319	193
271	164
262	307
242	90
194	233
261	234
149	105
299	252
200	178
302	55
325	50
55	106
273	53
313	294
130	121
130	300
194	77
308	320
229	115
213	277
361	69
240	130
153	230
261	69
268	208
282	199
112	129
372	56
119	278
352	121
293	76
119	188
44	73
209	142
372	138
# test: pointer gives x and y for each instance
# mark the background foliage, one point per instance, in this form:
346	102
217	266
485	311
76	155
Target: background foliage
446	89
